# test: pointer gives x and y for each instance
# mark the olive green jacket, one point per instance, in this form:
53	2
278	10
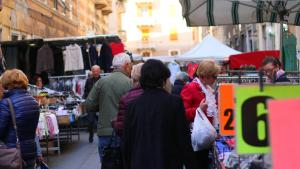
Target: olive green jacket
104	97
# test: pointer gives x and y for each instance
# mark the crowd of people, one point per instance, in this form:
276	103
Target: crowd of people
137	107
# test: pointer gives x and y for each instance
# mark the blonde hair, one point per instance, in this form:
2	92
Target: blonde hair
14	79
136	72
208	68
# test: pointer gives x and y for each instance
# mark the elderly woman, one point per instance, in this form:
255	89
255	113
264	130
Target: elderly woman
156	133
135	92
199	93
27	115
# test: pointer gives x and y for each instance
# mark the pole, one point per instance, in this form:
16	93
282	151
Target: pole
281	43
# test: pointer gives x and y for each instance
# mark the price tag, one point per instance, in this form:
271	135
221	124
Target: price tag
226	110
284	118
252	116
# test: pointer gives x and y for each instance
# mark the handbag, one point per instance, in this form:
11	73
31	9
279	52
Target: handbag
203	133
10	158
112	156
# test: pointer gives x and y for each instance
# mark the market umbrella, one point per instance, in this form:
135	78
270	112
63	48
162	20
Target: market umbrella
232	12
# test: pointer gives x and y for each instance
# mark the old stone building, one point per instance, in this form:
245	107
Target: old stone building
26	19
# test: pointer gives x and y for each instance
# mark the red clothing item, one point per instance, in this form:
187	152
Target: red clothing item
116	48
192	95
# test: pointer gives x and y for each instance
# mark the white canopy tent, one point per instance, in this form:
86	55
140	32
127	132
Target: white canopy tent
164	59
209	48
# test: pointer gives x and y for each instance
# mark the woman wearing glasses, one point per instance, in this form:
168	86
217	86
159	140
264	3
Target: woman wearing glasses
200	94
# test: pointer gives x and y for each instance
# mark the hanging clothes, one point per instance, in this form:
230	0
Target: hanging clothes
289	51
93	55
174	68
58	61
2	62
73	58
106	57
44	60
116	48
86	56
192	68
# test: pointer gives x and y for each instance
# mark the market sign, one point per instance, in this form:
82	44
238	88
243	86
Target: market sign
226	109
284	118
252	115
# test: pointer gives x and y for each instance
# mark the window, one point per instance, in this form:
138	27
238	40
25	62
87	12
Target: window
55	5
14	37
172	10
23	37
175	52
146	54
144	9
173	34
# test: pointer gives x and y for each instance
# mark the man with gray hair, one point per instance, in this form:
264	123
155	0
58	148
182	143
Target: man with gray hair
104	97
92	117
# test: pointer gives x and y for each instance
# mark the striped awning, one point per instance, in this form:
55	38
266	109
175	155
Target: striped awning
231	12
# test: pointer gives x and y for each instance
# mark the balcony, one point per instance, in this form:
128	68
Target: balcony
108	9
100	4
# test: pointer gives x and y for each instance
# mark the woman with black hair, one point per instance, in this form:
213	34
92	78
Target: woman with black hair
156	133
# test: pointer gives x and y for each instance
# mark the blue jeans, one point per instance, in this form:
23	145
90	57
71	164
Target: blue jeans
104	141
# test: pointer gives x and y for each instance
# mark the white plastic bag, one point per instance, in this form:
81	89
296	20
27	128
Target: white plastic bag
203	133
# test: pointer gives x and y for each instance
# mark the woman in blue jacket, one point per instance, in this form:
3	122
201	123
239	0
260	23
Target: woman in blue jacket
26	109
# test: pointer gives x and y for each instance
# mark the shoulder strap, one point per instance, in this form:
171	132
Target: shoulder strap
13	117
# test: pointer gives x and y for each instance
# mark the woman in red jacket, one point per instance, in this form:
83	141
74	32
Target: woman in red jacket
199	93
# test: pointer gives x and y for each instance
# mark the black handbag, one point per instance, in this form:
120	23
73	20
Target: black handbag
112	156
10	158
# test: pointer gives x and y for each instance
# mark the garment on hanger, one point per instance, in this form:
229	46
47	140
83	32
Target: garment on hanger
58	61
44	60
73	58
93	55
86	56
2	62
174	68
106	57
116	48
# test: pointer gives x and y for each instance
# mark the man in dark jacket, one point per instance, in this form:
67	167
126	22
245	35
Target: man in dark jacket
92	117
181	79
273	71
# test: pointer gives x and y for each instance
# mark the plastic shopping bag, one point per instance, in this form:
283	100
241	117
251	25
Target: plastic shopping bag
203	133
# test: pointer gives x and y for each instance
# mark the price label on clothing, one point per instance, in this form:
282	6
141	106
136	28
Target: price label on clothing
284	117
252	130
226	109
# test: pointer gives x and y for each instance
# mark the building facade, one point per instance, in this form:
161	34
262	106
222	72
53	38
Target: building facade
27	19
156	28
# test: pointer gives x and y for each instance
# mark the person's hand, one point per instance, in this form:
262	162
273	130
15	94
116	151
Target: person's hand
203	105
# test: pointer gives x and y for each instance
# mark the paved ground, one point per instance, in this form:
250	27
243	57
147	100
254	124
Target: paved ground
77	155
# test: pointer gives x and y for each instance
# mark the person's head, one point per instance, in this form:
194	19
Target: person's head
136	73
182	76
95	71
122	62
270	66
14	79
38	81
154	74
208	71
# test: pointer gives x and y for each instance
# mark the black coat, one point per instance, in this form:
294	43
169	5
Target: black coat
89	85
178	85
156	134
